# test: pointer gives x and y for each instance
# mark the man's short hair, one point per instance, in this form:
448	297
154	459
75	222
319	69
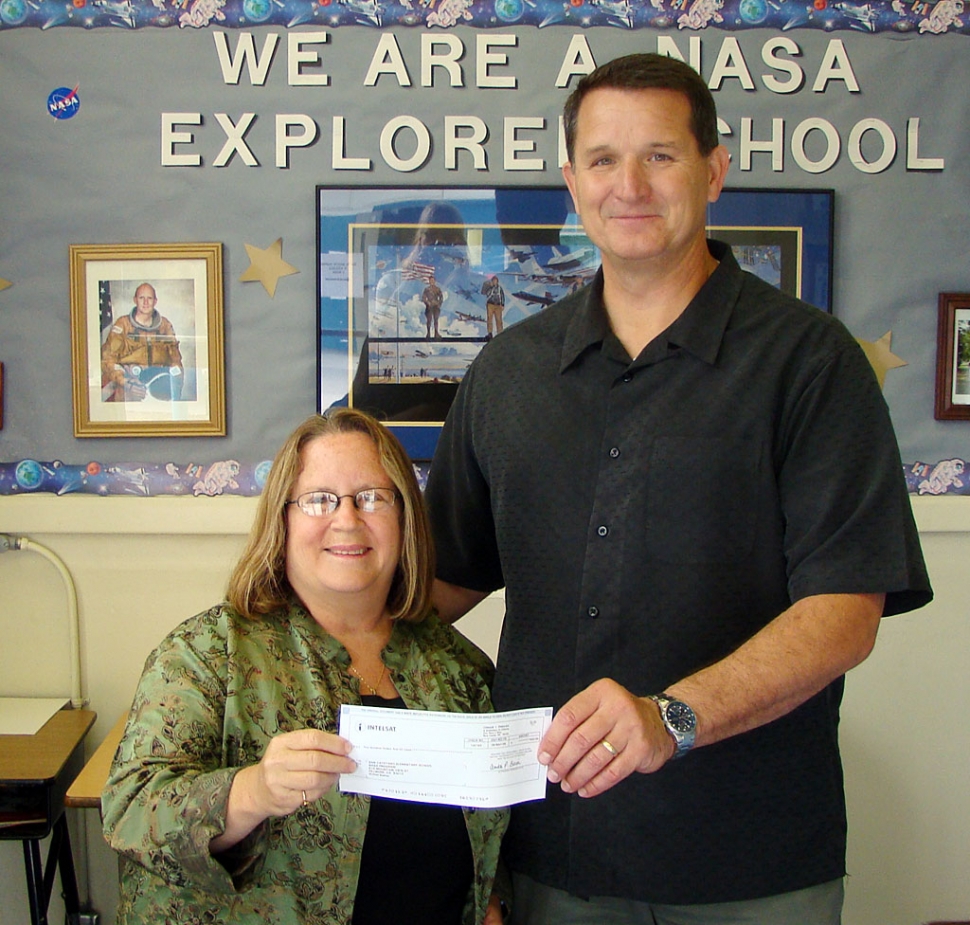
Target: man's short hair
648	71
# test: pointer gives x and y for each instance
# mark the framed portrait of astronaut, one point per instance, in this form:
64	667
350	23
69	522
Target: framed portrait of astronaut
147	340
953	357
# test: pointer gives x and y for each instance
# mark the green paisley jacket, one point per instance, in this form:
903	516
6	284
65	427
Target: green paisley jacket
212	695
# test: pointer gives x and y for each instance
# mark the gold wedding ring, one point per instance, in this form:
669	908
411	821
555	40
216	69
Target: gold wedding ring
609	747
304	798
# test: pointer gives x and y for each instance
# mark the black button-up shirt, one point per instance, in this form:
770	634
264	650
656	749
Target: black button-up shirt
648	517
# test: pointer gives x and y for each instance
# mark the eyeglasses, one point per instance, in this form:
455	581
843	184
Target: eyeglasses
324	503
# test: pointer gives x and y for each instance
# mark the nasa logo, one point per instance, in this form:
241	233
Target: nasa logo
63	103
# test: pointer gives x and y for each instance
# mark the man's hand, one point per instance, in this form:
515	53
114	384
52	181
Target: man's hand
575	749
493	915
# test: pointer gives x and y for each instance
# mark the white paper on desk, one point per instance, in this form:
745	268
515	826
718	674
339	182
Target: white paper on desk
26	715
461	759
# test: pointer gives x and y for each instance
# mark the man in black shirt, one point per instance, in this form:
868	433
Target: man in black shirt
691	492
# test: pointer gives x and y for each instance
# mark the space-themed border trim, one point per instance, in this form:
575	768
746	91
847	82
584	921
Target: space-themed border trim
894	16
230	477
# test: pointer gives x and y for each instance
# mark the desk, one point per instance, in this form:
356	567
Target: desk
35	771
85	792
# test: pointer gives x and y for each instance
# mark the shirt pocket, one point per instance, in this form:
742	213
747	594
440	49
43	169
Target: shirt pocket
702	498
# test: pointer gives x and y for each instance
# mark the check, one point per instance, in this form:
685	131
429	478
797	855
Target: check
462	759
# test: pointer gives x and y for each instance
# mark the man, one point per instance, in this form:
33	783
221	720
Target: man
692	494
141	349
432	297
494	305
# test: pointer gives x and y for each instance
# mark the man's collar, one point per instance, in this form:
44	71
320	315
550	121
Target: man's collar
588	325
699	329
154	323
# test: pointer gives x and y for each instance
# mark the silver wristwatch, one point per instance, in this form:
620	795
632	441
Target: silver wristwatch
680	721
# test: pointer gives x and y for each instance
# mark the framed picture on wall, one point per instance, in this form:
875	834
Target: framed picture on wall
785	236
414	281
147	340
953	357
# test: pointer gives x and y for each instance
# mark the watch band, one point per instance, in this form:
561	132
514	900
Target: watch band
680	721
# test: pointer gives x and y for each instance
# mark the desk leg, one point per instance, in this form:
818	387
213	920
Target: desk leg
62	856
40	882
35	882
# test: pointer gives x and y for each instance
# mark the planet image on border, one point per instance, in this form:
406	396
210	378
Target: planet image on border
261	473
13	12
753	11
29	474
509	10
257	10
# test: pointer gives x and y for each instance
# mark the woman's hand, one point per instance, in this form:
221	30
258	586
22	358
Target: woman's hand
307	761
295	765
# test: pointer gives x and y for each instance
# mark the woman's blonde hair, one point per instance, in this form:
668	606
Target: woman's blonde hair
258	584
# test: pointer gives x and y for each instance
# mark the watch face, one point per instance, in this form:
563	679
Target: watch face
680	716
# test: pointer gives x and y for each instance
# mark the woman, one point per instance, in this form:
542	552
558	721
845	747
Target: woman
222	797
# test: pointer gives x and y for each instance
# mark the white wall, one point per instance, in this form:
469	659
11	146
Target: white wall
143	565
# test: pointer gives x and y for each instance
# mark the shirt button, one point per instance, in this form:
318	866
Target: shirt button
603	530
614	452
627	377
593	612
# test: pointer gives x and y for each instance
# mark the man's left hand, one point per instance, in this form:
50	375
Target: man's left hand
601	736
493	914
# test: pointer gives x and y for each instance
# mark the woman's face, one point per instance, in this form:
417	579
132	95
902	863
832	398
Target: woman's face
349	552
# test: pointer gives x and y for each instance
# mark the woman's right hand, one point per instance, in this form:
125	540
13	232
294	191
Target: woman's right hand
307	761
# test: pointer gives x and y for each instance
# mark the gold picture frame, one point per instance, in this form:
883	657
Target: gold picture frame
147	340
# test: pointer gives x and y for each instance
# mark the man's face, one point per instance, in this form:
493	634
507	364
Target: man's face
638	180
144	302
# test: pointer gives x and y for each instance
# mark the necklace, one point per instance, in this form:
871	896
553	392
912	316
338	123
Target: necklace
371	688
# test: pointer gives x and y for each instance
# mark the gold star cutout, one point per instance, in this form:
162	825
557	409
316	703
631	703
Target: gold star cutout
880	356
267	266
5	284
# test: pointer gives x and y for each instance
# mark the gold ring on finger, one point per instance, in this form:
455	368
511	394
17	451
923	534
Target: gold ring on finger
609	747
305	803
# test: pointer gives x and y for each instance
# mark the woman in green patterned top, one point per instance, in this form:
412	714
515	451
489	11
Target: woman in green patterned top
222	798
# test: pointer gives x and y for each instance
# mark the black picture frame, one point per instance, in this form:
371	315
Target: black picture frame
377	349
